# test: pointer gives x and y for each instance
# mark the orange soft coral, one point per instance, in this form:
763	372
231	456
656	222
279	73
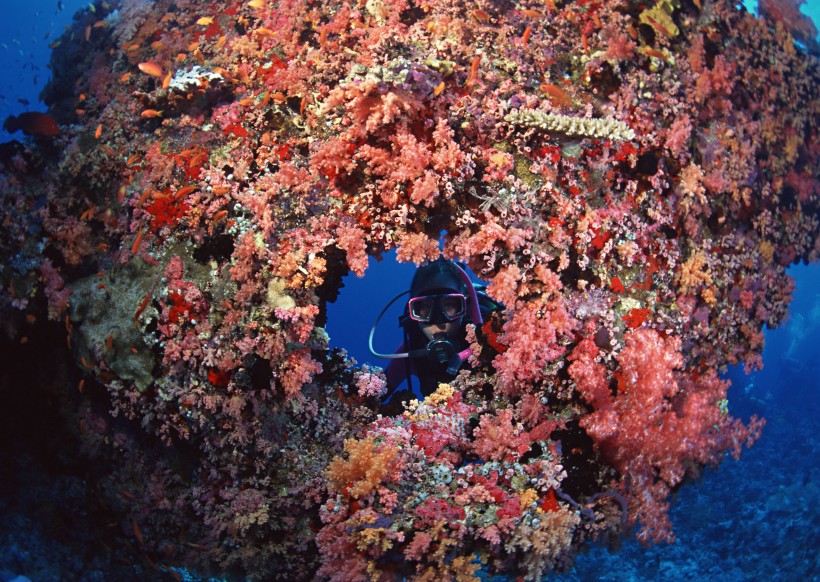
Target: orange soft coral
366	467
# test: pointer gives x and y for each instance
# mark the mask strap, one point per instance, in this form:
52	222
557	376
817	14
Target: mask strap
475	311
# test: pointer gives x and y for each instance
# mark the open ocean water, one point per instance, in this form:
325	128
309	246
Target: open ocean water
754	519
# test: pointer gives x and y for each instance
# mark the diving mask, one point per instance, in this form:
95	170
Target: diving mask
434	308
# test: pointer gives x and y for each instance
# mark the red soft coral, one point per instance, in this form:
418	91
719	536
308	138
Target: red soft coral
498	438
659	423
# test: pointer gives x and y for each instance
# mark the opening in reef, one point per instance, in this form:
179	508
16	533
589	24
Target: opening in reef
360	301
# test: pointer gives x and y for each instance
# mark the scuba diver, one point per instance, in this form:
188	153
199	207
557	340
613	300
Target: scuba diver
443	300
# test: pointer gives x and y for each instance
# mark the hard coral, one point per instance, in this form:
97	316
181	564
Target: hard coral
631	180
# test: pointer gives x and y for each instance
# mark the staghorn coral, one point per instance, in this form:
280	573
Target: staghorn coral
639	240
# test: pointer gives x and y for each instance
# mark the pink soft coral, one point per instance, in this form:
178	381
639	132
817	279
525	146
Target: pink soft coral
498	438
658	423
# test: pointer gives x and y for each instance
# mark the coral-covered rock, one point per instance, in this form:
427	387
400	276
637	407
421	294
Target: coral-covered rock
631	180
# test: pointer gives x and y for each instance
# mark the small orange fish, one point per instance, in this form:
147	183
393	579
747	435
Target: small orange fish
143	304
198	159
98	132
88	214
145	196
151	68
166	81
654	53
136	246
183	192
205	21
525	38
125	77
556	94
473	71
151	114
480	15
256	4
438	90
137	532
658	26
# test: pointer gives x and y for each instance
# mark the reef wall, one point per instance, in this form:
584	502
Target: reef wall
632	180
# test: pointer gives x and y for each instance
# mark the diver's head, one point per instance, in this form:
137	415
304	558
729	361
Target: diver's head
438	299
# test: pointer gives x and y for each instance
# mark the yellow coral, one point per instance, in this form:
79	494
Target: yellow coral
367	465
766	251
659	17
373	537
527	497
442	394
417	411
709	295
541	545
694	272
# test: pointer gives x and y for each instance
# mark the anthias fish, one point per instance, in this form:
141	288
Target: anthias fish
32	123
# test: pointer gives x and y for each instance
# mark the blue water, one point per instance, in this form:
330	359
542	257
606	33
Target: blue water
26	30
361	300
755	519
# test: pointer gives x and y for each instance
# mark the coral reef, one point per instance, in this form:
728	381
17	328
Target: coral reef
631	181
